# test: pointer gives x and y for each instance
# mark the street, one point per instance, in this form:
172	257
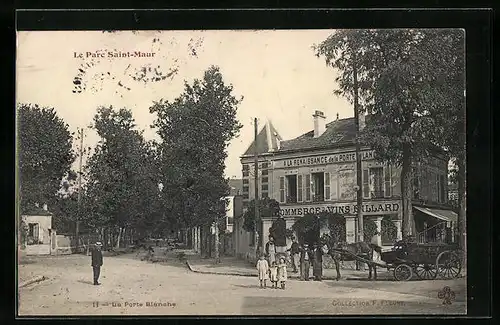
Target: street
133	287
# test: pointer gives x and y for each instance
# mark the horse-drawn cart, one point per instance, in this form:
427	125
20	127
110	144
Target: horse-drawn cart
426	261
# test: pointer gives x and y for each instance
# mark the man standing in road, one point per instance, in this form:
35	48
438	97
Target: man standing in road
295	253
97	261
305	259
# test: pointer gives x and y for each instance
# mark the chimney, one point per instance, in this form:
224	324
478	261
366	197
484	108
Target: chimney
319	123
337	117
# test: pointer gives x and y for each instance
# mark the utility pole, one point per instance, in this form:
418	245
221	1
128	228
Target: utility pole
256	181
77	235
359	170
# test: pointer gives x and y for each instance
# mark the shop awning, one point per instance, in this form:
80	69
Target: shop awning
445	215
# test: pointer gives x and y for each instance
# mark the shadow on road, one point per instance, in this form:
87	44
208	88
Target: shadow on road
85	282
253	286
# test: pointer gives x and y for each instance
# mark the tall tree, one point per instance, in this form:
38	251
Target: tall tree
195	130
403	80
122	183
45	154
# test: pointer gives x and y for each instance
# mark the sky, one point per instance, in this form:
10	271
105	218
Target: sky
276	72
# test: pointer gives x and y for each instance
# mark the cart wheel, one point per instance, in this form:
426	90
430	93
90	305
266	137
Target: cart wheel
403	272
449	264
426	271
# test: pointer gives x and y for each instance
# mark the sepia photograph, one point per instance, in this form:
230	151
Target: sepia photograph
241	172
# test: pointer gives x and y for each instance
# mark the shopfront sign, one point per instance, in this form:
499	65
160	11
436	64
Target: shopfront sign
325	159
347	209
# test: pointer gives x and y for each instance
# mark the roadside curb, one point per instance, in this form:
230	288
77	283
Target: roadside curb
293	277
219	273
33	280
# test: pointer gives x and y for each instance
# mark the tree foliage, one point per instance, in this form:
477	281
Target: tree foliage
45	154
268	208
409	81
122	179
195	130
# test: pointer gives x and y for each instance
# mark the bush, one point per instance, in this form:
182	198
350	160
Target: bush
369	229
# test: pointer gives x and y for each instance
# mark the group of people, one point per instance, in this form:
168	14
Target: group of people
272	265
304	256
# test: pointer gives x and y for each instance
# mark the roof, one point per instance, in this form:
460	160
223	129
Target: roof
236	186
268	140
338	133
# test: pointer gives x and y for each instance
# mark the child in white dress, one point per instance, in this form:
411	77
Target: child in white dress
273	275
282	273
263	269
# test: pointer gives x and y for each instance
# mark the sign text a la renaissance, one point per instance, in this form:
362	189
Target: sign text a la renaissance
346	209
328	159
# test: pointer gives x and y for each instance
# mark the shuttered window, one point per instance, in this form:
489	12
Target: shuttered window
282	189
334	183
387	181
327	186
308	187
299	188
366	184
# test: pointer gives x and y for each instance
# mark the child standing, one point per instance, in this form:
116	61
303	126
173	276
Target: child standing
273	274
282	274
263	269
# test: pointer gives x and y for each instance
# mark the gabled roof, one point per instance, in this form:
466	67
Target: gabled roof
338	132
236	186
268	140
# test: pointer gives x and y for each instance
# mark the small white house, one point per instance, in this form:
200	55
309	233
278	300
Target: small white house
38	234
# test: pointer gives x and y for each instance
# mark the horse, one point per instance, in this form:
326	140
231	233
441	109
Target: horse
360	249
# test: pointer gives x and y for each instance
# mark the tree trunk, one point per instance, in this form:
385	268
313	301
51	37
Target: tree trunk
406	192
462	231
217	256
118	237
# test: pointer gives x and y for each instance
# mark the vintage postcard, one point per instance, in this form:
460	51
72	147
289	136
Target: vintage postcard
241	172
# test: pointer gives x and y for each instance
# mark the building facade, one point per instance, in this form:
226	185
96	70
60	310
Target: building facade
317	172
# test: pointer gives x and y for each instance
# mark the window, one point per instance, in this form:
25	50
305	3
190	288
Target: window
366	184
264	172
333	186
265	179
282	189
327	186
299	188
291	182
246	167
33	233
264	165
308	187
387	181
245	196
265	195
245	181
433	181
442	188
265	187
245	189
318	183
376	182
245	173
347	181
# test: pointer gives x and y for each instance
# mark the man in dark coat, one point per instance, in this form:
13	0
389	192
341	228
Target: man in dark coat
306	256
318	263
97	262
295	254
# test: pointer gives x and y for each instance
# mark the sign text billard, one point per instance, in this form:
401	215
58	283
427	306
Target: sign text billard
347	209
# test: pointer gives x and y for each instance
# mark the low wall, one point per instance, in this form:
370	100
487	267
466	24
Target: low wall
43	249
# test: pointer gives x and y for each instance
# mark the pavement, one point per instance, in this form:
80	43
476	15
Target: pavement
130	286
